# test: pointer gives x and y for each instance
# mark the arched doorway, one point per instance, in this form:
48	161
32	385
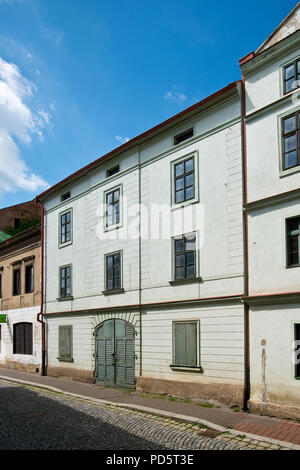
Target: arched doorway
115	358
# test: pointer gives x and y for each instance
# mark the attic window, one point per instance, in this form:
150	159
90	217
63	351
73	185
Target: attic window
183	136
112	171
65	196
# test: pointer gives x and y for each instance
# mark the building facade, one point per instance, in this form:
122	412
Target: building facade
272	126
20	301
144	260
171	263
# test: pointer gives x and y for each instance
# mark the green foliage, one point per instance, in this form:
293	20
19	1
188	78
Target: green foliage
25	224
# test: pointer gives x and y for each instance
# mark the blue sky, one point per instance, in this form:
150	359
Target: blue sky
78	77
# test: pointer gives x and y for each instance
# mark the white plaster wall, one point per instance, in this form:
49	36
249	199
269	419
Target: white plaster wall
221	343
219	226
267	250
275	325
83	340
264	86
264	177
17	316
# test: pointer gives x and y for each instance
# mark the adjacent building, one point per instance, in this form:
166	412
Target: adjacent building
20	300
272	163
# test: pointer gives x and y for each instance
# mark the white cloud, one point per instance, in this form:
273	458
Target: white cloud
19	121
175	96
123	140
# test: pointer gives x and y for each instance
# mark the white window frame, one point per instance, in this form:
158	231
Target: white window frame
176	205
120	223
280	117
197	260
69	242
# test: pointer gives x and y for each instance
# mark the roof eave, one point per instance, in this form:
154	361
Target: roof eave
205	103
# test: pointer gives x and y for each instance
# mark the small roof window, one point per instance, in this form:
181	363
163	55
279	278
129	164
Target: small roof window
183	136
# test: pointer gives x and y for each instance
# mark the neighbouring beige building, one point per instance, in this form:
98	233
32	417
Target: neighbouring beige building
20	300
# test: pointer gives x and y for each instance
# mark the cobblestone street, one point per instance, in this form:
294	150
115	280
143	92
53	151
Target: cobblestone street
33	419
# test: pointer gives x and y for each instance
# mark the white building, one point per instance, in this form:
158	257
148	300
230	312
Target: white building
272	81
131	302
172	262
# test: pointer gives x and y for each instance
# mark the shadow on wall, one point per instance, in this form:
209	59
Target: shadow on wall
32	421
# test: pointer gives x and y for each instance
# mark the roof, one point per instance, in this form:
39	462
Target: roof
4	236
287	27
144	136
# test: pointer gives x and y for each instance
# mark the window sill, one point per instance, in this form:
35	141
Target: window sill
65	359
112	227
113	291
62	245
293	266
289	171
62	299
197	369
180	205
185	281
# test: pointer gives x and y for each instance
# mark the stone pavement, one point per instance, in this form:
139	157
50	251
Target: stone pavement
264	429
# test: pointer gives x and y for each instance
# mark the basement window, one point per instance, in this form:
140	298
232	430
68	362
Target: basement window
183	136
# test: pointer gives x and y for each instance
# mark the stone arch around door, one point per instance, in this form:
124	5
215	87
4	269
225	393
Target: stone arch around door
115	350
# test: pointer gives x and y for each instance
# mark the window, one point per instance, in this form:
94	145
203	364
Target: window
0	285
112	171
184	188
183	136
291	74
65	196
17	281
65	281
185	257
28	279
291	140
112	208
16	222
185	344
65	228
22	339
65	343
113	271
0	338
293	241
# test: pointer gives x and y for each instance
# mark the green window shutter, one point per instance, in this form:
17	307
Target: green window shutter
179	331
185	344
65	342
191	344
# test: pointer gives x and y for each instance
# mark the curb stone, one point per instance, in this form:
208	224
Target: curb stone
167	414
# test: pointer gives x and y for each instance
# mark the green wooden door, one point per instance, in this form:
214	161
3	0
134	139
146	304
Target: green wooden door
115	361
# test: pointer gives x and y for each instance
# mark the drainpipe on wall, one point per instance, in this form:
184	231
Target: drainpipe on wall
40	315
140	260
245	249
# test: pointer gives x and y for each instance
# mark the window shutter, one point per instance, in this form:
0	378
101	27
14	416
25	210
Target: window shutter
65	342
179	330
191	344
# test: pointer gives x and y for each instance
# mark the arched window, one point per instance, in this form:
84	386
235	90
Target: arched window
22	338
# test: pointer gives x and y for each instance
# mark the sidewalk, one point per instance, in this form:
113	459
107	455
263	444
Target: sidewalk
274	430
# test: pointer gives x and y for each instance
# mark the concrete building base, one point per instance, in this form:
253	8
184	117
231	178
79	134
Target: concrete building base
228	394
75	374
274	409
22	367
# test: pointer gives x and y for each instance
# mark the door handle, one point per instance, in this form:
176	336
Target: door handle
114	358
